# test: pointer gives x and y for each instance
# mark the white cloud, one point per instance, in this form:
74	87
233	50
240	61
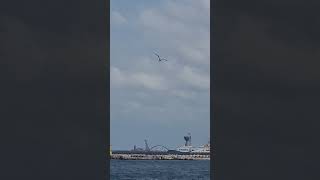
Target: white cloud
134	105
206	5
178	31
180	27
116	77
154	20
194	78
184	94
149	81
193	54
121	78
145	91
188	11
117	18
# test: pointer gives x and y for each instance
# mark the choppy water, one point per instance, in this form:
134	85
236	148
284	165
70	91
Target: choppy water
159	170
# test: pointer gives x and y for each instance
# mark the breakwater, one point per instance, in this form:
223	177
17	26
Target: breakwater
160	157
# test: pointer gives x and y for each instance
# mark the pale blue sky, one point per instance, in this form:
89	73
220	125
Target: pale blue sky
160	102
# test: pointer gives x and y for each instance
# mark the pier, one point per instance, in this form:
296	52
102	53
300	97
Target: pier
139	156
160	152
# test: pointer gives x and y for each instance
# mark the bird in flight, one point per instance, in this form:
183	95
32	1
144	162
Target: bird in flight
160	59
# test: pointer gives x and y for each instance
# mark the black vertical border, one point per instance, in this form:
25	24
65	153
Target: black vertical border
54	95
212	87
266	89
108	11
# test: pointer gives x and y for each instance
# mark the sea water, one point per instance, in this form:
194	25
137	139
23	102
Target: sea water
160	169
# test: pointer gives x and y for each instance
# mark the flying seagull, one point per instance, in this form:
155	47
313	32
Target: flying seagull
160	59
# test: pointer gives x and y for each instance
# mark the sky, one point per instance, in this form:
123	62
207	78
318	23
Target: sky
159	101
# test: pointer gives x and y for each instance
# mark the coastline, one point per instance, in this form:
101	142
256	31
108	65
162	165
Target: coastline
158	157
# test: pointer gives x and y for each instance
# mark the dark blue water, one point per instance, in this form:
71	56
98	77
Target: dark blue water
159	170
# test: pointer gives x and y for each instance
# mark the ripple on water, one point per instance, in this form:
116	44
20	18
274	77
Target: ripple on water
159	170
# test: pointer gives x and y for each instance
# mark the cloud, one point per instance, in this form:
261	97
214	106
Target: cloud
205	4
154	20
137	79
117	78
179	28
184	94
190	11
153	82
117	18
130	106
174	92
195	79
193	54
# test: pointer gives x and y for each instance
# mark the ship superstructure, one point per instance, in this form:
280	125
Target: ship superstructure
188	148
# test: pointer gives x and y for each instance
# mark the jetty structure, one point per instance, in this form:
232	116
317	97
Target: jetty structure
160	152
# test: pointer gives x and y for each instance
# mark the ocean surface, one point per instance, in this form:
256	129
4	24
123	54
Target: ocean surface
159	170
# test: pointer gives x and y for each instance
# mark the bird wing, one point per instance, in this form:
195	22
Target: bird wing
157	55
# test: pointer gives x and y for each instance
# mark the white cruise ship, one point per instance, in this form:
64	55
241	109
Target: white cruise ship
188	148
